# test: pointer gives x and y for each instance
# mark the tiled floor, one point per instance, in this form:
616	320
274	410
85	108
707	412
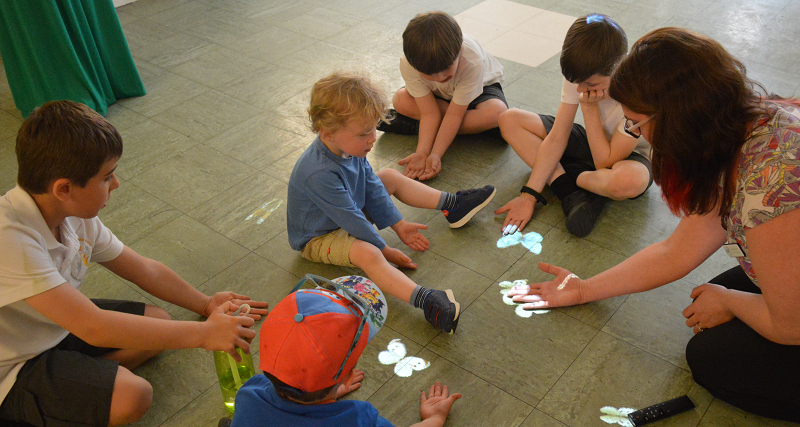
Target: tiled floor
223	123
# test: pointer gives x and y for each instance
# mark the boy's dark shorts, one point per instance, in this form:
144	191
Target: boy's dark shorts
68	385
493	91
577	156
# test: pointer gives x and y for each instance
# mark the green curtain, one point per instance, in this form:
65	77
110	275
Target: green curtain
66	49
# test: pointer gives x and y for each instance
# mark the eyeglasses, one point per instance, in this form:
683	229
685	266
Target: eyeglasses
634	129
359	302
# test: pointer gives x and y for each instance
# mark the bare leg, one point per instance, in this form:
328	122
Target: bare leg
131	398
405	104
131	359
483	117
624	180
524	131
409	191
386	276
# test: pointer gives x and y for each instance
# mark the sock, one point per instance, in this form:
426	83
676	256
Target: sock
418	296
563	186
447	202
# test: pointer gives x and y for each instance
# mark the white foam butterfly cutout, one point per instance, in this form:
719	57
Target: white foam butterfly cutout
616	416
532	241
521	312
405	366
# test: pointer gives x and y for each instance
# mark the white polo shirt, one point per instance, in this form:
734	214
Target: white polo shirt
32	262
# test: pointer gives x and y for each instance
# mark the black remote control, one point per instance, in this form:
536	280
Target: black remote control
661	410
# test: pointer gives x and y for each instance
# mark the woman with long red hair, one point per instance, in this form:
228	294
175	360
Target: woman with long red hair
727	158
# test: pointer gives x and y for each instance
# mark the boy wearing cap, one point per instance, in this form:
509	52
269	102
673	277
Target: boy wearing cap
310	344
335	199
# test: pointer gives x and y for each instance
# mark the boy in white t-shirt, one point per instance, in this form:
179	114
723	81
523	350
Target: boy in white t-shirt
583	166
65	359
452	87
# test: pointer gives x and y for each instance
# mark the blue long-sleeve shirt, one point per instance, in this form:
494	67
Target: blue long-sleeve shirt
327	192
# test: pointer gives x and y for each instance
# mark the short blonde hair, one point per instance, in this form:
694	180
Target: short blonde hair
337	98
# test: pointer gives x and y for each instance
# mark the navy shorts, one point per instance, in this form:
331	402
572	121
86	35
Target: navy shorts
577	156
493	91
68	385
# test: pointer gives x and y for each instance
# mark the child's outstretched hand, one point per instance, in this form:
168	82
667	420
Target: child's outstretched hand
258	308
409	233
433	165
415	165
352	383
437	404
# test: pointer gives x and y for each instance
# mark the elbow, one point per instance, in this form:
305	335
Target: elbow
785	333
92	333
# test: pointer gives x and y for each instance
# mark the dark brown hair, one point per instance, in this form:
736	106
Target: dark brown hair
288	392
703	107
432	42
63	139
594	44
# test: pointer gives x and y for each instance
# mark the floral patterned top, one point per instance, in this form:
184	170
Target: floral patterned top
768	182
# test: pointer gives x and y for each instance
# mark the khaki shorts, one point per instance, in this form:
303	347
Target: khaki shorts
332	248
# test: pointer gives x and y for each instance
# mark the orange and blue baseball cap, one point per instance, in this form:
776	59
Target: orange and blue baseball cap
313	336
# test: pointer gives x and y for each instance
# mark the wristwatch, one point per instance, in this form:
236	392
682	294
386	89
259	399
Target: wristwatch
534	193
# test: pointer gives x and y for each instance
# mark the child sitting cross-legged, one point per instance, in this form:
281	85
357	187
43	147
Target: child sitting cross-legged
310	344
335	197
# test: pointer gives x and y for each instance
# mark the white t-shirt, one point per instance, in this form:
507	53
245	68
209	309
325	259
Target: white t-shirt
611	115
476	69
34	261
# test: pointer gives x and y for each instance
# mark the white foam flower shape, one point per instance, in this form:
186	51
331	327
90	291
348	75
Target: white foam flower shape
619	416
521	312
405	366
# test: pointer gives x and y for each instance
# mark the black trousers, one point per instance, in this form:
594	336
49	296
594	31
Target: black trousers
739	366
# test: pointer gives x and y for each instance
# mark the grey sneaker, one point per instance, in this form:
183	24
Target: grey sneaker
441	310
582	209
470	202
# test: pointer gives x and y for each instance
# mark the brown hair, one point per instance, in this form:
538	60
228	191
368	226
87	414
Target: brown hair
288	392
703	106
594	44
342	96
432	42
63	139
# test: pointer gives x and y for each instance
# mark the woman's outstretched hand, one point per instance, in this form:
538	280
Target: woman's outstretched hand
566	289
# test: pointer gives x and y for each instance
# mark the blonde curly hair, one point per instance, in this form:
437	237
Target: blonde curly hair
337	98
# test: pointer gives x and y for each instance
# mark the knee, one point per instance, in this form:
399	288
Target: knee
365	254
509	119
131	399
389	178
156	312
627	184
402	101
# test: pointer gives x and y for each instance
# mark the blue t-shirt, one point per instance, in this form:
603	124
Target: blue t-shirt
327	192
258	405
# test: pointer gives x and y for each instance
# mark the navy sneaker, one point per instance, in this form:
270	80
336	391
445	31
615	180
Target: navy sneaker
582	208
441	310
470	202
399	124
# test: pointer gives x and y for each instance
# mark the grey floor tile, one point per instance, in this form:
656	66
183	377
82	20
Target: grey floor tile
207	115
368	37
789	59
102	283
193	250
268	87
544	346
716	264
273	44
538	418
319	23
164	90
471	158
204	411
141	33
721	414
376	373
123	118
217	66
173	51
148	144
322	58
9	125
249	213
583	258
483	404
539	88
192	177
362	9
612	373
143	8
652	321
132	213
8	164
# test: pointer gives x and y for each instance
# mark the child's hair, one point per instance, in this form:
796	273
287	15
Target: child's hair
594	44
703	106
432	42
63	139
344	95
288	392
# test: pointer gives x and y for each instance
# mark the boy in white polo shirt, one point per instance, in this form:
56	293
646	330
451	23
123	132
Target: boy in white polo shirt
65	359
452	87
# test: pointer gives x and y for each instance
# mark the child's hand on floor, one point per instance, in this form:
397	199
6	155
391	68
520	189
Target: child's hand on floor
352	383
438	403
409	233
520	211
415	165
433	165
258	308
398	258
